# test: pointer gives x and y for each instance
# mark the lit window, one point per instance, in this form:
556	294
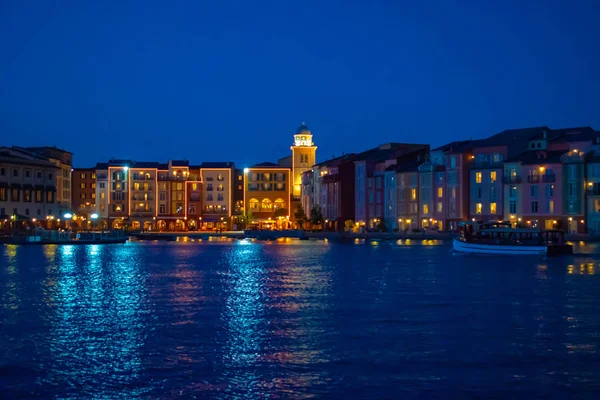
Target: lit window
477	177
493	176
194	186
413	194
478	208
425	209
440	192
492	208
82	185
439	206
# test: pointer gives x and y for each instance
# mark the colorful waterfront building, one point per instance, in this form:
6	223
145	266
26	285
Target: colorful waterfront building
28	188
217	193
267	195
83	202
444	186
335	181
533	190
592	168
307	199
404	178
369	173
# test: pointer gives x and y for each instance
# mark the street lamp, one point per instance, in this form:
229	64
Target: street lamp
94	217
246	170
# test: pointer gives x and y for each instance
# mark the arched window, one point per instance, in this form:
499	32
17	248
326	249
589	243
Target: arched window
267	205
279	203
253	204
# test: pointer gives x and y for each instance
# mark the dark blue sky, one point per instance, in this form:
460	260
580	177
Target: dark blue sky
224	80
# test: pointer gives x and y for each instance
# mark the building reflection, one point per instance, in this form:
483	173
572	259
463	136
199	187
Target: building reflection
274	314
97	332
244	309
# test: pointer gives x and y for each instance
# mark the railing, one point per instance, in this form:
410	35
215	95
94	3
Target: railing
533	178
141	198
486	163
572	157
593	191
549	178
511	179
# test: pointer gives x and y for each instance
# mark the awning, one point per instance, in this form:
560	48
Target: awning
28	187
50	189
4	185
39	187
18	216
15	186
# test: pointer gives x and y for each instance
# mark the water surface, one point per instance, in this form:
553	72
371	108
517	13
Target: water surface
296	319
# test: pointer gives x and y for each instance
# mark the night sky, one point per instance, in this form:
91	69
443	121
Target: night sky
225	80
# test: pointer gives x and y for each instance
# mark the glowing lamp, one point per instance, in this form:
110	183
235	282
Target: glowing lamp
246	170
126	168
68	216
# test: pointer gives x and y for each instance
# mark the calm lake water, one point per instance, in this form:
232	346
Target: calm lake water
296	319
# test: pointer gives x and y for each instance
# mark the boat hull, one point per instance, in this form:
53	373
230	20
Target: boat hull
480	248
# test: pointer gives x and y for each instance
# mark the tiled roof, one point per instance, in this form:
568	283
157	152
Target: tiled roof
217	164
41	149
180	163
511	136
581	134
409	166
389	150
145	164
537	157
456	146
14	159
266	165
336	160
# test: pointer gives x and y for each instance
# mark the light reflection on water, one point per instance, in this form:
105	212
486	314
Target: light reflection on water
290	318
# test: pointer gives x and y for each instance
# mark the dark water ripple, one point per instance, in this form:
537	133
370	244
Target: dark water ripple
296	320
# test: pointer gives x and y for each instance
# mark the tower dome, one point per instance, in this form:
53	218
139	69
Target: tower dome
302	129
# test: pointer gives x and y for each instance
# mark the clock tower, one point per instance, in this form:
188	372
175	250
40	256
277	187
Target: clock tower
304	154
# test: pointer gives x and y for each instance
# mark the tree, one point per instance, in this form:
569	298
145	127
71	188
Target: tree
349	225
280	212
316	216
300	215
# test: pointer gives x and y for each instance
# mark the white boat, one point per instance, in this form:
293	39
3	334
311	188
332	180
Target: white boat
481	248
501	238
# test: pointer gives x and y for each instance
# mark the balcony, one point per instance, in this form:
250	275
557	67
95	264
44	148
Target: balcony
593	191
486	164
572	157
533	178
549	178
141	198
511	179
